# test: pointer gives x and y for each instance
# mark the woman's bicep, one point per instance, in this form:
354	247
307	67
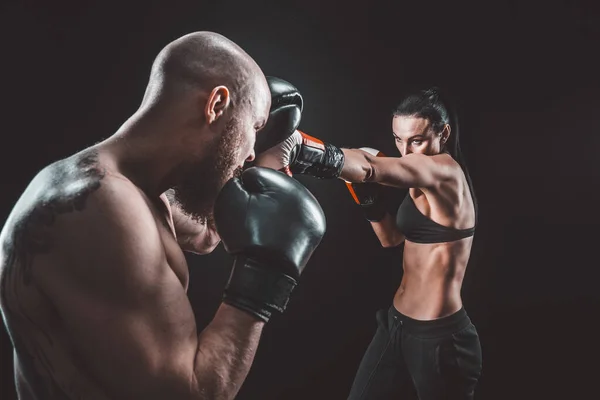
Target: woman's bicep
410	171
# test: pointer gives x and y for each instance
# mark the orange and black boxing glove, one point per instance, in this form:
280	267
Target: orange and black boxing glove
303	154
369	195
281	146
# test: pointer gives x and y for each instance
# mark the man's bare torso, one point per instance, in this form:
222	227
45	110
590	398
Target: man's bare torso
46	362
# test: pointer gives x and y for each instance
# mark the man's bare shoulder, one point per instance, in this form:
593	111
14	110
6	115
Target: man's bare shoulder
71	199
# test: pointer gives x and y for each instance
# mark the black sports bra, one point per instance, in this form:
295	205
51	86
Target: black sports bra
418	228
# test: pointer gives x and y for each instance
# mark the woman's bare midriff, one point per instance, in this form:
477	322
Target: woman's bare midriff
432	280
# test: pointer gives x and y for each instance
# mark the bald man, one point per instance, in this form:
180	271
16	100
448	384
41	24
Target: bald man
93	278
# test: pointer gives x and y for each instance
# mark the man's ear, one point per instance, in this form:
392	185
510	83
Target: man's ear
217	103
445	133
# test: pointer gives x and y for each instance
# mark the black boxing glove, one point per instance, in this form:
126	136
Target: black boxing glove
369	195
272	224
284	115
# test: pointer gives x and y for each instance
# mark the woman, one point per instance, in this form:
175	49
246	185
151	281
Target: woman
425	341
425	344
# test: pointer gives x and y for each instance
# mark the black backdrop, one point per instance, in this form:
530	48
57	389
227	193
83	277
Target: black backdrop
525	76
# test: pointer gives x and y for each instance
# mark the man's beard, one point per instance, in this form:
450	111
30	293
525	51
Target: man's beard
203	180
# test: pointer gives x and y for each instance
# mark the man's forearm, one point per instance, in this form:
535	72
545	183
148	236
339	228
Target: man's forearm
202	240
192	235
226	350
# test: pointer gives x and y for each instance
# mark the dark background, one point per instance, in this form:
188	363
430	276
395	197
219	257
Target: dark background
525	75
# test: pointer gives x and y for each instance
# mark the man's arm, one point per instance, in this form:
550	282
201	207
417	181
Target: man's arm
128	316
411	171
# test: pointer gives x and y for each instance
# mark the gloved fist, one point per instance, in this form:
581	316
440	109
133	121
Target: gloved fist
303	154
284	116
272	224
368	195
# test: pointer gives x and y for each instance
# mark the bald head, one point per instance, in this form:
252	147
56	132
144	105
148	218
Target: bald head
205	101
200	61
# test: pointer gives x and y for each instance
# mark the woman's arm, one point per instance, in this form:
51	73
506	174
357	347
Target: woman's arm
387	232
370	197
411	171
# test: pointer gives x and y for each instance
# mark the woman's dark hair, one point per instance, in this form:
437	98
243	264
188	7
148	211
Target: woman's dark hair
432	105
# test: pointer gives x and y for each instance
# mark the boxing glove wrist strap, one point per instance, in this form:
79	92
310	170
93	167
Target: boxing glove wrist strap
368	197
257	290
373	212
318	159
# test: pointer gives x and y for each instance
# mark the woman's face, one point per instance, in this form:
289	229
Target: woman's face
416	135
